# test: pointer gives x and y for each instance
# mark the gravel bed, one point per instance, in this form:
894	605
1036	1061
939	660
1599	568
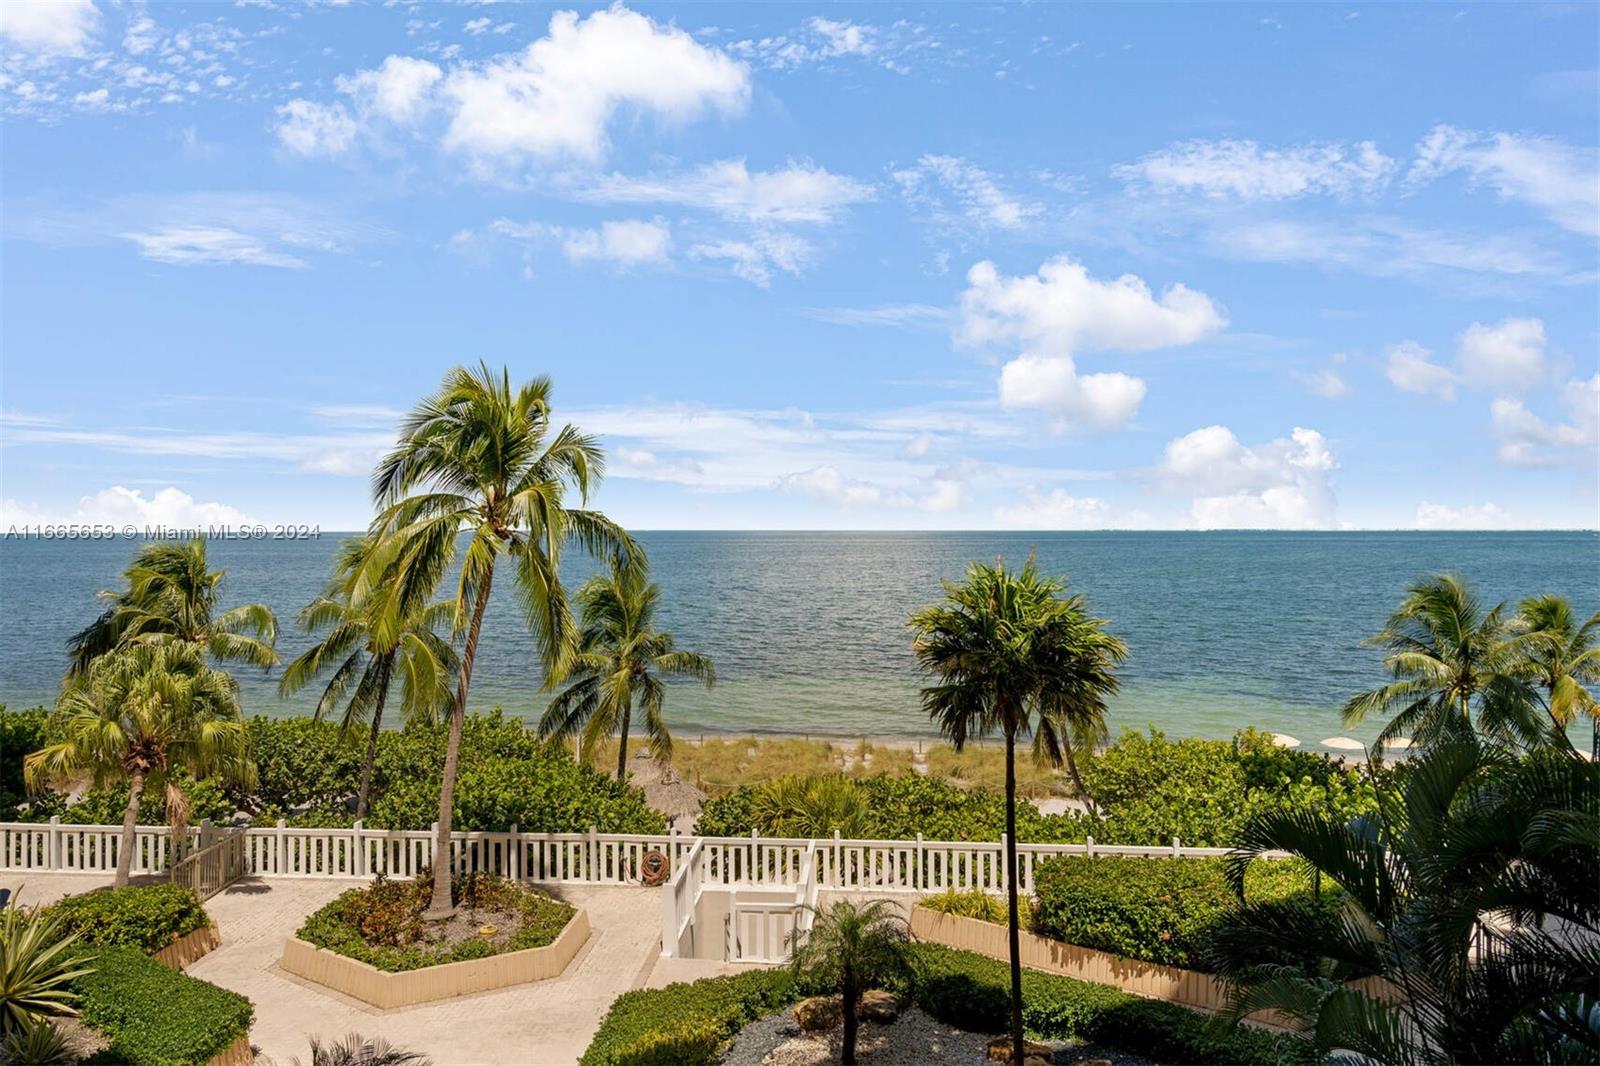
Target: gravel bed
916	1038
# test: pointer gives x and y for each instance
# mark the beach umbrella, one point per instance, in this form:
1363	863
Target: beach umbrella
1344	744
1284	740
1399	743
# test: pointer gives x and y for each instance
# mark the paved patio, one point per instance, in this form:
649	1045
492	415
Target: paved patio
550	1022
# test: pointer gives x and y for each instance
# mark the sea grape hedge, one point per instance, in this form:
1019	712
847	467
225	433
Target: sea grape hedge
688	1023
147	917
153	1015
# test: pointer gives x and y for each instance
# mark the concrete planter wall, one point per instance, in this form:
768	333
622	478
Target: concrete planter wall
187	949
1188	987
238	1053
386	990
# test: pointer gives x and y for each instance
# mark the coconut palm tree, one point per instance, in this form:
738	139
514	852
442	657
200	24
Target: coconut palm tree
482	457
620	663
1455	666
368	647
172	595
1563	658
142	715
854	947
1471	896
1013	653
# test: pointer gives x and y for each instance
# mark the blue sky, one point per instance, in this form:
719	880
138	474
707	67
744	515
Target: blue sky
807	266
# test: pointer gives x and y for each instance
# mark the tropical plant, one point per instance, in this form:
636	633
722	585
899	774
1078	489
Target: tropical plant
37	1043
1012	653
172	595
1455	666
813	806
1563	658
851	948
140	715
620	662
369	641
1471	895
357	1050
482	457
38	963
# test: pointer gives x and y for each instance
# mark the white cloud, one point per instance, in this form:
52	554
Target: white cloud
1328	382
1244	170
827	483
755	258
1410	370
1381	247
1061	310
1508	356
1528	440
477	25
1470	516
170	507
821	39
844	38
798	192
311	129
558	96
977	195
1557	178
628	242
49	27
903	316
398	90
1057	509
1282	484
209	246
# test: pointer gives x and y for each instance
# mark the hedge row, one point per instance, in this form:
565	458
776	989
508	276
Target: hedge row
154	1015
685	1024
147	917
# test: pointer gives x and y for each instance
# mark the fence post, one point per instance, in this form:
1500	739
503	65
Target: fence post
281	846
433	839
52	844
916	873
514	860
838	862
593	873
1008	874
1176	847
359	861
1088	847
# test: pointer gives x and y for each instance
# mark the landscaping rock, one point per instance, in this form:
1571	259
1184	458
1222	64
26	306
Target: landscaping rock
1000	1051
819	1013
878	1006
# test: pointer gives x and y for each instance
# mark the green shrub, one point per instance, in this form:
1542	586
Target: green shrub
106	806
971	992
381	924
301	763
976	903
685	1024
1158	910
147	917
21	732
155	1016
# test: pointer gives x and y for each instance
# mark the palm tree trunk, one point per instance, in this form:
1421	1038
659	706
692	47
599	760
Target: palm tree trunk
364	796
443	903
851	998
622	741
1077	779
1012	923
130	822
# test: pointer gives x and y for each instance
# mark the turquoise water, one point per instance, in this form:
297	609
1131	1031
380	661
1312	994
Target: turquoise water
808	629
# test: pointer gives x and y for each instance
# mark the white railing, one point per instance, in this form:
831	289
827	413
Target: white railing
681	898
357	852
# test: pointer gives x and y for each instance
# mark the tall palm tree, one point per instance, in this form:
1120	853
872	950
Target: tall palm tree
368	646
1563	658
1471	896
854	947
1455	666
141	715
172	595
620	662
1012	653
482	457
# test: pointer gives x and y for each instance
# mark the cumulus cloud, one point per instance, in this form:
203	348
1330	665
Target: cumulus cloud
118	505
1510	355
1245	170
49	27
1061	310
1528	440
973	193
829	484
398	90
1470	516
1282	484
628	242
1410	369
1058	509
1554	177
796	192
313	129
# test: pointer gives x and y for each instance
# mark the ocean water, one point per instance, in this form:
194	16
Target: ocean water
808	631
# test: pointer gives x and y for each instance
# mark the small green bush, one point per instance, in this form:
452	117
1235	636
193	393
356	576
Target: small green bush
1158	910
975	903
381	924
147	917
301	763
21	732
155	1016
686	1024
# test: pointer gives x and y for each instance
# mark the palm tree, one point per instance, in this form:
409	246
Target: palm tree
620	662
482	457
1563	658
369	646
854	947
1013	653
819	805
1471	896
1455	665
356	1050
172	595
142	715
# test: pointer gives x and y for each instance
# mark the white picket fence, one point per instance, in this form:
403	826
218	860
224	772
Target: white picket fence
360	853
